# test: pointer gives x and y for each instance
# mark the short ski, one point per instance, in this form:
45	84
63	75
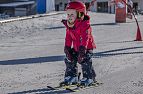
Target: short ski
71	88
78	87
74	88
96	84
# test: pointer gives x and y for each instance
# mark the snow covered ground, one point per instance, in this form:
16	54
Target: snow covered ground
31	55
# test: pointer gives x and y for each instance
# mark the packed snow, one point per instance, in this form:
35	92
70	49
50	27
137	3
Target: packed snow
31	55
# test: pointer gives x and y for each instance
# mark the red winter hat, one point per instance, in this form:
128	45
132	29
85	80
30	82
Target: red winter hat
77	5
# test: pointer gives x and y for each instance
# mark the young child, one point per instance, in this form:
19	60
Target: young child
79	45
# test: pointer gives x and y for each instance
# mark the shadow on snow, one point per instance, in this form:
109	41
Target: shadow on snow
42	91
33	60
116	52
61	57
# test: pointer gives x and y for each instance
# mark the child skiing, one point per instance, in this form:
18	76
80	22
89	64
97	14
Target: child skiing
79	45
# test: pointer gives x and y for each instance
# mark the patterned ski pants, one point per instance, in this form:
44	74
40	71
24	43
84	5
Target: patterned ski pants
86	65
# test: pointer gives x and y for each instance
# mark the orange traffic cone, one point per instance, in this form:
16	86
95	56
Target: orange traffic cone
138	35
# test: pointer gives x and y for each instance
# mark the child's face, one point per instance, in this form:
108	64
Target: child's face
71	15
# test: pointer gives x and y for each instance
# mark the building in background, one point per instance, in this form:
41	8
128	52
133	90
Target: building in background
29	7
98	6
138	6
102	6
5	1
44	6
25	7
60	5
17	7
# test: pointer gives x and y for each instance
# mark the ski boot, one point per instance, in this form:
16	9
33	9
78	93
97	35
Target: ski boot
69	81
84	82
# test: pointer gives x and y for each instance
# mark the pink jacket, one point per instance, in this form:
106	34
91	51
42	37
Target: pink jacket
80	34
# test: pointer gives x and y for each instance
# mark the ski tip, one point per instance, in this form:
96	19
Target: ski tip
71	90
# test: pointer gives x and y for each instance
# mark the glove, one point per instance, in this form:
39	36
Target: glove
68	52
82	52
63	21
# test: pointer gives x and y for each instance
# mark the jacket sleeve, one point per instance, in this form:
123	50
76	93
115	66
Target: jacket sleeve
85	34
68	39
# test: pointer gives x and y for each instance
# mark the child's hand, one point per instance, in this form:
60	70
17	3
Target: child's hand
68	52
